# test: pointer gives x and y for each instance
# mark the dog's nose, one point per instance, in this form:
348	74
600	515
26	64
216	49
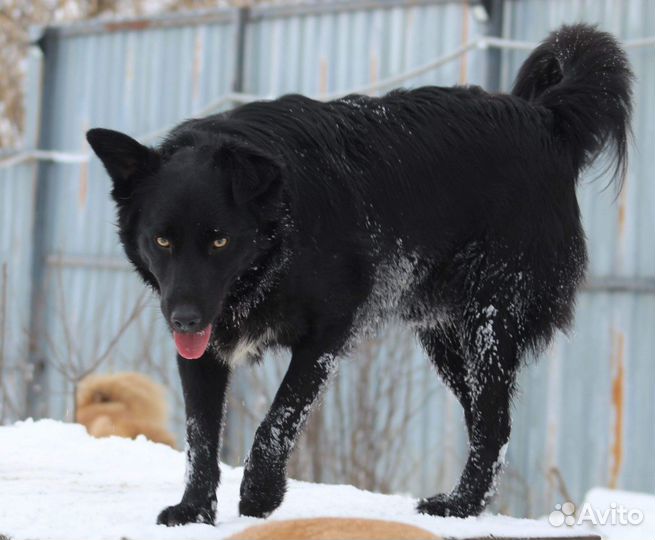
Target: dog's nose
185	318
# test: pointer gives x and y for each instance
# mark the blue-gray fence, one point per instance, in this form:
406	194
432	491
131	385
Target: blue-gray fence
69	303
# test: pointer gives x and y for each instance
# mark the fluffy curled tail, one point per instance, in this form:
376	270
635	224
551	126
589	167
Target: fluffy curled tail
583	76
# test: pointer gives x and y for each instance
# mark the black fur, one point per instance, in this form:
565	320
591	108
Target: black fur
450	209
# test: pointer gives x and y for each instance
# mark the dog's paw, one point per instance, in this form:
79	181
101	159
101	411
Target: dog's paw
260	495
183	513
259	508
450	506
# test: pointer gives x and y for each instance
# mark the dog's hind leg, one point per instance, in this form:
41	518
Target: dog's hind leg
264	477
483	380
204	384
443	349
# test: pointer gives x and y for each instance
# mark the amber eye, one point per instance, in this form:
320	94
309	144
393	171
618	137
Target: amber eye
163	242
219	243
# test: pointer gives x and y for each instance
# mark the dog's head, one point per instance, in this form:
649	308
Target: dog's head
192	219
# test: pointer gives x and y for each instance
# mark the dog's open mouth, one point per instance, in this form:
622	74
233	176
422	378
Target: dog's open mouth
194	344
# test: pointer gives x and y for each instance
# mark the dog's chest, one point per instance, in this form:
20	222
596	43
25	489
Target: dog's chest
248	348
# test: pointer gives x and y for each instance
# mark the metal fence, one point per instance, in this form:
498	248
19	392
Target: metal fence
69	302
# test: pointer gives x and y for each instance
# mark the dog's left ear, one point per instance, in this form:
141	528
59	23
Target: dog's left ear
251	171
124	158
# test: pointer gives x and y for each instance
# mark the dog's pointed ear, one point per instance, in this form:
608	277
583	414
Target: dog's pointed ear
123	157
252	172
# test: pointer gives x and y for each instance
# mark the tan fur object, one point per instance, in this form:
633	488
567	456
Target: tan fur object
123	404
334	528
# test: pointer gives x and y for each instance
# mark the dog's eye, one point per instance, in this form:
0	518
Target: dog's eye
220	243
163	242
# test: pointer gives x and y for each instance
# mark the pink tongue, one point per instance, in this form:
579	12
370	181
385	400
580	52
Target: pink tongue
192	346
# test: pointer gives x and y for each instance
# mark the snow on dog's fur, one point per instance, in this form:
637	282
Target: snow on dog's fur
307	225
124	405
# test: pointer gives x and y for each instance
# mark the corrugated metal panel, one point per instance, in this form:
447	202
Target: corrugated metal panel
17	208
142	76
325	51
17	205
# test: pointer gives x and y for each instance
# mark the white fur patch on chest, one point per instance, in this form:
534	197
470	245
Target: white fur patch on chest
248	348
244	349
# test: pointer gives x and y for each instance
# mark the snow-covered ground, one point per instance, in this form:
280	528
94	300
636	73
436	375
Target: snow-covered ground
56	482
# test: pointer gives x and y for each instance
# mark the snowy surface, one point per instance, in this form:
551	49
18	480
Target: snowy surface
601	499
56	482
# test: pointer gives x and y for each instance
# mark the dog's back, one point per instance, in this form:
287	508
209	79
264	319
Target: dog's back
125	405
331	528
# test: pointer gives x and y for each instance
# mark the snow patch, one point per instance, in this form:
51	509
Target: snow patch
58	482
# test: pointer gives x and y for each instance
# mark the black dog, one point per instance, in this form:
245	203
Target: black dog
302	224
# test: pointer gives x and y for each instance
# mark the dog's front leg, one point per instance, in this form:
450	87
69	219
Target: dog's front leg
264	477
204	384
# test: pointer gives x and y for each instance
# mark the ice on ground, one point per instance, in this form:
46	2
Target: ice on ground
56	482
